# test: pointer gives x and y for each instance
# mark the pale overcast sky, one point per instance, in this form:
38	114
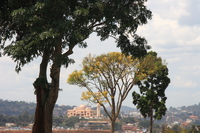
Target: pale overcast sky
173	32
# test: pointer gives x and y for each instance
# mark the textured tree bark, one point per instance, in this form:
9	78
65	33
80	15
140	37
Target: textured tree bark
51	101
39	113
47	97
38	126
44	109
53	94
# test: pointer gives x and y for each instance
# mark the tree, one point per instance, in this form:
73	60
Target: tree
57	121
176	128
118	126
144	123
151	101
71	121
128	120
109	78
50	29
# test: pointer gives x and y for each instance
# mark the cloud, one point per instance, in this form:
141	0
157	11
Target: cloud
169	9
176	41
183	82
18	95
167	32
182	98
191	18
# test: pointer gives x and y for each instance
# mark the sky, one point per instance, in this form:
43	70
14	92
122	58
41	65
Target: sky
173	32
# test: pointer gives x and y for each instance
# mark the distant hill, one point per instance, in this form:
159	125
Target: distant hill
193	109
14	108
126	108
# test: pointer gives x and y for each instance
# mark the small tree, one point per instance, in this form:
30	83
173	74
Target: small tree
128	120
109	78
71	121
151	100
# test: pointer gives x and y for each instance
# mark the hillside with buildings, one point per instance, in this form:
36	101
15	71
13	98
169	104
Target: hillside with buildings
18	115
15	108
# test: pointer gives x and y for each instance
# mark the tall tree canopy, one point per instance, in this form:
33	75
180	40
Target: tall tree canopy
110	77
151	100
50	29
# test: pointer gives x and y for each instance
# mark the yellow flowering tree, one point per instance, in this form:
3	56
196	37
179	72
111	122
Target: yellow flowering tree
110	77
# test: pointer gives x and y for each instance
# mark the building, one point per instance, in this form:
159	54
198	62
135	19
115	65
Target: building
10	124
97	124
194	117
84	111
130	129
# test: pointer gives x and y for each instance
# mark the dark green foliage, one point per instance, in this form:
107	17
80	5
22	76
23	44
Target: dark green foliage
176	128
13	108
152	94
58	120
38	25
128	120
151	100
69	122
118	126
21	120
144	123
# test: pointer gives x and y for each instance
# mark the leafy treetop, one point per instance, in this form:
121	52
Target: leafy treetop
39	25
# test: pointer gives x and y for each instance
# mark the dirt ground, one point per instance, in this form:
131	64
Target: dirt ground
58	131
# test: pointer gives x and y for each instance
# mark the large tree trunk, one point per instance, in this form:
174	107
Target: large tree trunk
53	94
44	110
38	126
47	97
39	113
52	98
